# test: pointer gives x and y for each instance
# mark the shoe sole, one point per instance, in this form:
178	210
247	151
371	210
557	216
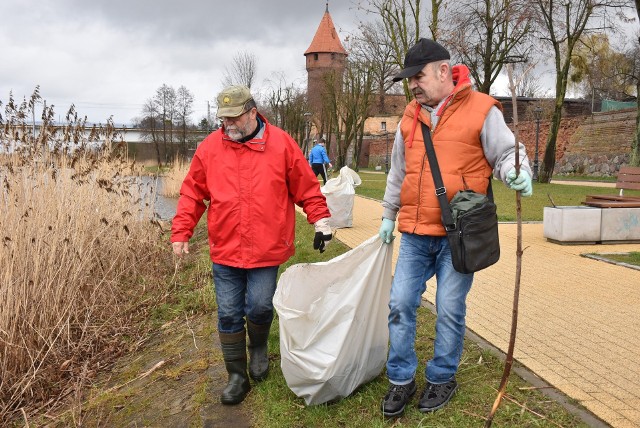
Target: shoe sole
401	411
433	409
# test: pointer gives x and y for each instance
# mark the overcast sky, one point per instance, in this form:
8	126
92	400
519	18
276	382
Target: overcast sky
109	56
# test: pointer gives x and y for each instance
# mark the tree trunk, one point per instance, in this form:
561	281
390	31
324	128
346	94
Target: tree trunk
156	145
635	147
549	159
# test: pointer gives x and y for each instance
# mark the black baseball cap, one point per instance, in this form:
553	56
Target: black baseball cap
419	55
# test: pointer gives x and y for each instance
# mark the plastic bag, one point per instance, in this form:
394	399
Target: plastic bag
333	322
340	193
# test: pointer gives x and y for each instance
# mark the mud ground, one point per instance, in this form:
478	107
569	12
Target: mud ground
175	380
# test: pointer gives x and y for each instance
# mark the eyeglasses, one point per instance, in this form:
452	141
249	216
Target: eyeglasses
234	119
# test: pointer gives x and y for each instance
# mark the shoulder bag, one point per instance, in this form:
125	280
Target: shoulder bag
470	220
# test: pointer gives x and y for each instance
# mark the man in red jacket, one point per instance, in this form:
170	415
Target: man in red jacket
252	173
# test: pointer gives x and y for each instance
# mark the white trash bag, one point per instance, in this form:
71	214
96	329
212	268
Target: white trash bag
340	193
333	322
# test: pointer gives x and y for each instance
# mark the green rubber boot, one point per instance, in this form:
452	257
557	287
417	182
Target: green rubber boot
234	351
258	355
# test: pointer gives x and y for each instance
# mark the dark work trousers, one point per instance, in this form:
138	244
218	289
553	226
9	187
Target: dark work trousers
318	168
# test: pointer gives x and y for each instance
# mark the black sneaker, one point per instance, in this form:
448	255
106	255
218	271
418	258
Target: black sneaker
436	395
397	398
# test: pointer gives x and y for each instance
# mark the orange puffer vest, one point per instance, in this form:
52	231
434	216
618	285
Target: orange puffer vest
460	157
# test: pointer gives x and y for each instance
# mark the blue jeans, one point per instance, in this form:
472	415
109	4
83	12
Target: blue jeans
419	259
243	292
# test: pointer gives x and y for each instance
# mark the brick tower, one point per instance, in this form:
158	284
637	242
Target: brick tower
325	55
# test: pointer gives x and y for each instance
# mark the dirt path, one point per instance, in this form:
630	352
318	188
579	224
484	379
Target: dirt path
174	381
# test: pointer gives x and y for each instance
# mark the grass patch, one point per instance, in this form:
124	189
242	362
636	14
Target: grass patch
584	178
631	258
373	185
273	404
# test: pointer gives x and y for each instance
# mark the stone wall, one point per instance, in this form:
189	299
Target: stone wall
600	145
595	145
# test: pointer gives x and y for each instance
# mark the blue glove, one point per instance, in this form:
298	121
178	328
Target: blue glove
522	182
386	230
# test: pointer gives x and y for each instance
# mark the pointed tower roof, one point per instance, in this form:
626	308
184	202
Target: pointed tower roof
326	38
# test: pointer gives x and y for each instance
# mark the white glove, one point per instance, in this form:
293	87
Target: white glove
386	230
323	234
522	182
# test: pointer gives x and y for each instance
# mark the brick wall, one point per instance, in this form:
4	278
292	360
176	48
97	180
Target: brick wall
594	145
378	152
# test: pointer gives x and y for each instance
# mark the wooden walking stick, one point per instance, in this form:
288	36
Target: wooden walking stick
516	291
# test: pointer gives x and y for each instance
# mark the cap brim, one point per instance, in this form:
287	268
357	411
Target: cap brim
230	111
408	72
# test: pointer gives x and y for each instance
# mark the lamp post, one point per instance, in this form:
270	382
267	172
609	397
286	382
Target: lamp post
383	128
537	112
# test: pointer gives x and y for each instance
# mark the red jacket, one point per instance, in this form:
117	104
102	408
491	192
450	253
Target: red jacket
251	188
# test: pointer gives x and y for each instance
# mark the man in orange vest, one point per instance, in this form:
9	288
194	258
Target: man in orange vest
472	142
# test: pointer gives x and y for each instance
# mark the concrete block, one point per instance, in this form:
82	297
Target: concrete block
572	223
620	224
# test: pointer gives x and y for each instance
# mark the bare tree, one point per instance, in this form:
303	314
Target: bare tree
165	105
349	107
564	23
434	24
242	70
372	45
286	106
401	21
149	125
184	109
488	34
528	85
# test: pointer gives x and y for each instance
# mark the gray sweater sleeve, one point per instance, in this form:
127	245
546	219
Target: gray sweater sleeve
397	171
498	143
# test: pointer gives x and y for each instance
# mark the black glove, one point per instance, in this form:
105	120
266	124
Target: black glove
323	234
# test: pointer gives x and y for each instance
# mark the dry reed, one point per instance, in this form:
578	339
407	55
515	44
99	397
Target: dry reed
173	179
77	234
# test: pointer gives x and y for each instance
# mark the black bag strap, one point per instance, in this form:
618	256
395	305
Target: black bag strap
441	191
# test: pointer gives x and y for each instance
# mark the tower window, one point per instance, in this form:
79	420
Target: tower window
333	55
315	56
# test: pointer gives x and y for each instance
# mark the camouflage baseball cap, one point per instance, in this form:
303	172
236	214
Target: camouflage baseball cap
233	100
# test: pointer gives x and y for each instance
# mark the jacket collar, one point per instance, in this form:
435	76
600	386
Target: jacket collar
257	143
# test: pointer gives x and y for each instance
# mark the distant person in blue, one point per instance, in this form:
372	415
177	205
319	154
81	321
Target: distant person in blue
317	158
